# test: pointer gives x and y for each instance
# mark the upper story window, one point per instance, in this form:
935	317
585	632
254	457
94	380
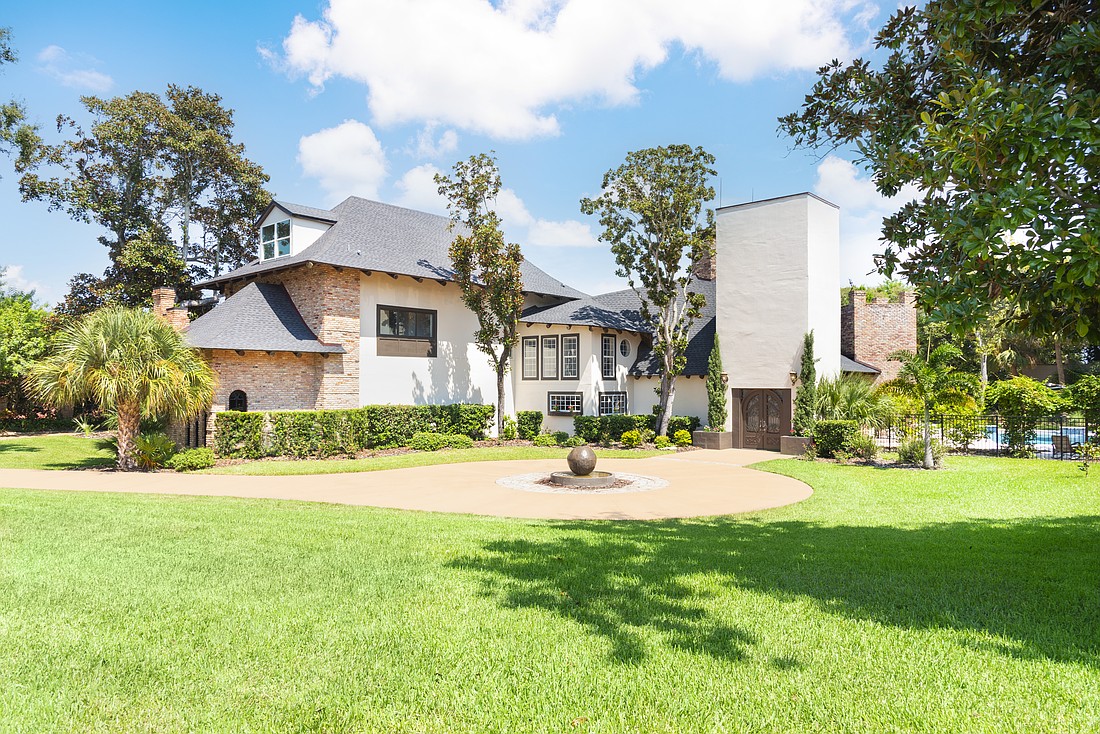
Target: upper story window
275	239
549	358
570	356
530	358
608	354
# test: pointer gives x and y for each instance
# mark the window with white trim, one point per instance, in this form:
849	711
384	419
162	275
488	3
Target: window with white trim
530	358
571	357
608	352
624	348
612	403
549	358
275	239
563	403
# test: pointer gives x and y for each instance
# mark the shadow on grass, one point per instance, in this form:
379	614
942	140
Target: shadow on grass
1033	584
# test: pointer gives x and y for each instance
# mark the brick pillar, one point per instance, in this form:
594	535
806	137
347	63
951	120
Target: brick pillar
707	267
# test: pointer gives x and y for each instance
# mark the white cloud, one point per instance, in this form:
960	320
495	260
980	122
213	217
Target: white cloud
504	70
14	279
429	146
862	208
74	70
527	229
418	190
347	160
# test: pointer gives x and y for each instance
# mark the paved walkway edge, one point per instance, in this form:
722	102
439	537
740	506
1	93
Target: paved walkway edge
700	484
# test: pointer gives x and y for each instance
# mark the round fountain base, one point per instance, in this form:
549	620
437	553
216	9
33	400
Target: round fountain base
594	480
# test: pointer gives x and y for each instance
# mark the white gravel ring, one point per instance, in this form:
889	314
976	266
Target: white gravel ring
530	483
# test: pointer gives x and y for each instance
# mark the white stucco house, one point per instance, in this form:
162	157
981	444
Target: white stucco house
356	305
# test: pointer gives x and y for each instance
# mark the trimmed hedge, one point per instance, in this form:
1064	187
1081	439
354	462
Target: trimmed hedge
529	424
607	428
437	441
191	460
320	433
833	436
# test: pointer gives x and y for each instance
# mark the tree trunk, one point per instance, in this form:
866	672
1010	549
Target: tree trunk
1058	361
502	370
929	462
129	425
664	410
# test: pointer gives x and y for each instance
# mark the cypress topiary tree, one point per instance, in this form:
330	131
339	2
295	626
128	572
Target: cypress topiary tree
807	392
716	389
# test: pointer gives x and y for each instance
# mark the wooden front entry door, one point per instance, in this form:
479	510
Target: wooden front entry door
765	416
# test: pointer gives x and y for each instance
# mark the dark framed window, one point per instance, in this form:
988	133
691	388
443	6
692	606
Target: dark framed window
549	358
238	400
275	239
608	356
530	358
612	403
564	403
406	332
571	357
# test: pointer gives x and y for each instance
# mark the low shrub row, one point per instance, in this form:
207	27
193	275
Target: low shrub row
35	425
319	433
529	424
607	428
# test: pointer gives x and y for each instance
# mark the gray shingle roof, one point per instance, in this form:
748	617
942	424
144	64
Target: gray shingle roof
369	235
258	317
301	210
622	310
850	365
700	339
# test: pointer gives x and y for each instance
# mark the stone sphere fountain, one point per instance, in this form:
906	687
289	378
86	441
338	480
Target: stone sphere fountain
582	471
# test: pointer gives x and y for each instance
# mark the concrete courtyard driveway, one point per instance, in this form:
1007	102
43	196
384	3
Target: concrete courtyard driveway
700	484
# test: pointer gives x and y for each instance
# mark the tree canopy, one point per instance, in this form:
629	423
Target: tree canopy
486	267
654	214
152	171
991	113
17	135
24	338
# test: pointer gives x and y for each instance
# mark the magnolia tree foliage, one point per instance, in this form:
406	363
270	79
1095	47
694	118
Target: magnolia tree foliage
24	338
147	168
485	266
654	214
990	111
129	362
806	397
17	136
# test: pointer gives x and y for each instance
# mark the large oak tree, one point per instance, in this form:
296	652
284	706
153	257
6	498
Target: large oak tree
991	111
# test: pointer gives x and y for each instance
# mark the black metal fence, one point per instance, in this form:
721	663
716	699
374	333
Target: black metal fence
1052	437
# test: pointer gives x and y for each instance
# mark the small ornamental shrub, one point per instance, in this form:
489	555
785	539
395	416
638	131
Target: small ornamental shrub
153	450
863	447
681	438
662	442
191	460
679	423
1022	401
573	442
911	451
647	435
437	441
809	453
631	439
833	436
545	440
842	457
510	431
529	423
560	437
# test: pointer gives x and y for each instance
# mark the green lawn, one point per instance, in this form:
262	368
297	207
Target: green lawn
54	452
891	600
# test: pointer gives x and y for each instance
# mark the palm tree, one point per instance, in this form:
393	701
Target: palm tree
850	398
128	361
932	381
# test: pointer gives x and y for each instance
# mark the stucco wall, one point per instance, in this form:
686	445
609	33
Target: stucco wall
777	279
532	394
459	373
691	396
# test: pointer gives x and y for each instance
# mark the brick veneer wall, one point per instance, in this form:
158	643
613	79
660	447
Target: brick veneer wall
328	300
276	381
870	332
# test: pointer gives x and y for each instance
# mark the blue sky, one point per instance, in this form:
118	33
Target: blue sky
370	97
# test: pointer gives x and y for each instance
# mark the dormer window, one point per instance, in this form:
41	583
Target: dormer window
275	239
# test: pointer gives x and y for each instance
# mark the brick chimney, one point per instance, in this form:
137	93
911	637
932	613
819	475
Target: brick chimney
870	332
164	306
707	267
